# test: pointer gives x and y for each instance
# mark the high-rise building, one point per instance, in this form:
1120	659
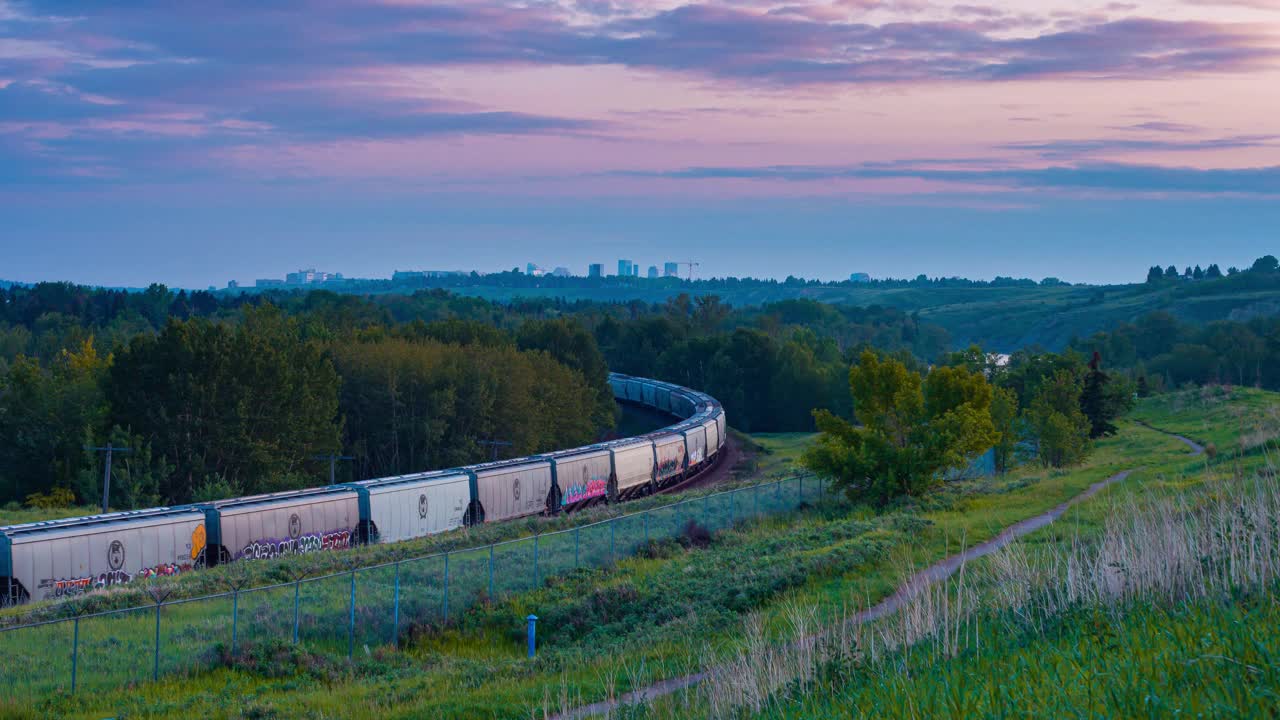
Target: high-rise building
595	270
653	272
635	270
624	268
671	269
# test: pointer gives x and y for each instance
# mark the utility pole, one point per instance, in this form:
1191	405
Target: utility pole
494	444
333	462
106	469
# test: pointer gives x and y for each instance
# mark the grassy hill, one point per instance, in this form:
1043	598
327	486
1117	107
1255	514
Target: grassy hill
701	602
1002	318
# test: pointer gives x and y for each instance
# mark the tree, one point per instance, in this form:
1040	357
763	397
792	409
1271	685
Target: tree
1171	272
1154	275
1057	426
1213	272
1197	273
1266	264
913	429
1004	418
1099	401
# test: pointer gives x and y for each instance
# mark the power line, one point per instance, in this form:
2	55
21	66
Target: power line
333	462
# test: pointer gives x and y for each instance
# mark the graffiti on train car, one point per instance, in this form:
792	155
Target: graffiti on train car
68	587
339	539
671	464
589	486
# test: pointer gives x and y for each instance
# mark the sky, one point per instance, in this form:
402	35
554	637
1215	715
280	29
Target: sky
195	143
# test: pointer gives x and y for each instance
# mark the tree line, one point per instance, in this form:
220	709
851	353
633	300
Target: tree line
253	402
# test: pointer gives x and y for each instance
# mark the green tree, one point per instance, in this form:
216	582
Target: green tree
1004	418
913	429
1056	424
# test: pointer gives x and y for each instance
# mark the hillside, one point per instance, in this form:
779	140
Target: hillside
997	317
704	601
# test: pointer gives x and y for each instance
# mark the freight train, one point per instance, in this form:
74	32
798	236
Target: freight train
60	558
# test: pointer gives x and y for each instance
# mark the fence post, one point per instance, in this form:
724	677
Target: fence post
801	493
533	642
575	548
612	557
646	527
235	617
706	523
733	514
755	500
395	628
155	666
75	653
351	623
491	572
535	561
297	585
446	586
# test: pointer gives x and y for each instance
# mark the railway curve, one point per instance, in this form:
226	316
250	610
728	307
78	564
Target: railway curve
54	559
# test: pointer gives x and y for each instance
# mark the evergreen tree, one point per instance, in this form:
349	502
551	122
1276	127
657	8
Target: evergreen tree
1171	272
1154	274
1197	273
1212	272
1093	400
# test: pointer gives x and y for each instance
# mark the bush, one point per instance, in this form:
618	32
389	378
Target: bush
57	498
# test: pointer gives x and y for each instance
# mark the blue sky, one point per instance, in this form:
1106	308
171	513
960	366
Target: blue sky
195	144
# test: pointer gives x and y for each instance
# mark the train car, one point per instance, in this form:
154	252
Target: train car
649	393
695	441
712	430
62	558
722	424
634	463
682	405
662	396
635	390
412	506
581	475
284	523
510	489
618	384
669	454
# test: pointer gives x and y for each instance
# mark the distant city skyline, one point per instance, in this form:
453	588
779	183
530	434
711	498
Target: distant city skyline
186	144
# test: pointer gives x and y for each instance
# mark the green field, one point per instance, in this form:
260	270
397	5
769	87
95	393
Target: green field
702	600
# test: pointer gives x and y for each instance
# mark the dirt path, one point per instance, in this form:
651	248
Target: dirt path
913	586
1196	448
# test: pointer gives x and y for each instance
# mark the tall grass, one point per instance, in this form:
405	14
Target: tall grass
1197	548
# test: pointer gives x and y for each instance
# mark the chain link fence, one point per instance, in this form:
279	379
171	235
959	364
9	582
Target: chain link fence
335	614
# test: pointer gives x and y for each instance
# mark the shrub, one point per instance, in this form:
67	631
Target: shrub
55	499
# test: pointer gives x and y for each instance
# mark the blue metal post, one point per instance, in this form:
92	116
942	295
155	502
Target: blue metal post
646	527
733	517
490	573
535	561
446	587
395	628
612	524
155	666
75	653
351	623
575	548
297	585
801	493
755	500
533	634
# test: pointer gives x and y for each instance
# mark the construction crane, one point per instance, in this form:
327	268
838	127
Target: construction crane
691	265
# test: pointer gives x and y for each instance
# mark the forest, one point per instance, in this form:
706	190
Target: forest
221	395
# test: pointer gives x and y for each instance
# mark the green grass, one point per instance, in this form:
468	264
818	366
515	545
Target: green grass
669	611
16	515
775	454
1208	659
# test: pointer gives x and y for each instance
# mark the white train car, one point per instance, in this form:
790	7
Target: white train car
695	441
412	506
670	455
510	489
285	523
634	464
62	558
581	475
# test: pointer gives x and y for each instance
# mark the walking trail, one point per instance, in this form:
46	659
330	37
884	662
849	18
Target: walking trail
913	586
